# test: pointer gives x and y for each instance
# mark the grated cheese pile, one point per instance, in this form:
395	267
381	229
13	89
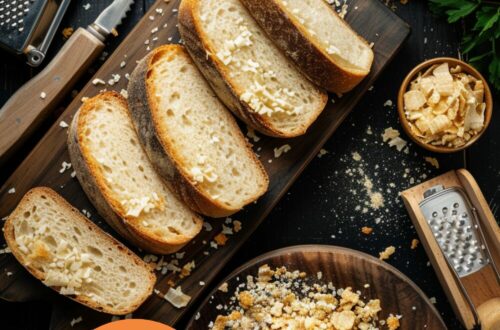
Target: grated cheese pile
63	266
281	299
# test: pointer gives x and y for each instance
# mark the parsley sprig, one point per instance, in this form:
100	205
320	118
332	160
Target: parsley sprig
481	43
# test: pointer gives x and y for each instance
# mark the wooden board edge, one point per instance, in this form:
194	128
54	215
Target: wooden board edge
411	198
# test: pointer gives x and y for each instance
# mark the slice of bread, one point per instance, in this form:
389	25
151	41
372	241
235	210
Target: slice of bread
190	137
71	255
121	182
247	71
320	43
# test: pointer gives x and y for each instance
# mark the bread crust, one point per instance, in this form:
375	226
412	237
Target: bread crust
218	76
11	242
305	51
93	184
163	155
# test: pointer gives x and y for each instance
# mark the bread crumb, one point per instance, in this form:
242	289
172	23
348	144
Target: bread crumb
11	190
75	321
43	95
433	161
177	298
388	103
64	166
356	156
223	287
281	150
98	81
393	322
67	32
220	239
384	255
414	243
367	230
237	226
322	152
86	6
63	124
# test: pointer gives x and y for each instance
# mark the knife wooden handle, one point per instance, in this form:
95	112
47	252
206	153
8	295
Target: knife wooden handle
34	101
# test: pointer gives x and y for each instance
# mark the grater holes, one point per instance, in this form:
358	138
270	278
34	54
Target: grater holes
12	14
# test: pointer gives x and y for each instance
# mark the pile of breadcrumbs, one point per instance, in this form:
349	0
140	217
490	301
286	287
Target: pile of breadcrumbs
280	299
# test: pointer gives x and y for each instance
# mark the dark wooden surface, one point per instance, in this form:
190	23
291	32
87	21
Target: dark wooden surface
321	206
344	267
42	166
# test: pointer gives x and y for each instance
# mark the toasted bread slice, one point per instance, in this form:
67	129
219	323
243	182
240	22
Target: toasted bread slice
320	43
247	71
121	182
71	255
190	136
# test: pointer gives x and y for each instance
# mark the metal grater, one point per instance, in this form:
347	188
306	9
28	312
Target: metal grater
455	226
28	26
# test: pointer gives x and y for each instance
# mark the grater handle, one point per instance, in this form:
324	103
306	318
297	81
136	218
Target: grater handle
36	99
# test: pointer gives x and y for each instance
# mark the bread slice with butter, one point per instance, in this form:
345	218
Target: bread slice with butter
71	255
190	137
320	43
121	182
247	70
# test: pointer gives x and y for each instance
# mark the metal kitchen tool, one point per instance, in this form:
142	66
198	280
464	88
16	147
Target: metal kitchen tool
462	240
31	104
28	26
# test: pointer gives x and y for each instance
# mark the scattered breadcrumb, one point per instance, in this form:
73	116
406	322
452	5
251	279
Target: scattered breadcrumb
384	255
322	152
281	150
388	103
392	135
356	156
288	300
67	32
63	124
223	287
237	226
393	322
12	190
414	243
220	239
86	6
433	161
5	250
251	134
64	166
43	95
75	321
367	230
98	81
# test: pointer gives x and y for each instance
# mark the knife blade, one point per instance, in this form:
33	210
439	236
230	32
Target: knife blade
35	100
111	17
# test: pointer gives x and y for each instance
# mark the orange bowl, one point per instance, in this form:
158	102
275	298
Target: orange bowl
452	62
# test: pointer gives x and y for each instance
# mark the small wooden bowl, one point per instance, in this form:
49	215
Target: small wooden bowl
452	63
343	267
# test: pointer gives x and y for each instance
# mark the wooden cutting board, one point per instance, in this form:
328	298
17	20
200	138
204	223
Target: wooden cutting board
343	268
370	18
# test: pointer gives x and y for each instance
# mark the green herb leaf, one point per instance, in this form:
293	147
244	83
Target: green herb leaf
478	43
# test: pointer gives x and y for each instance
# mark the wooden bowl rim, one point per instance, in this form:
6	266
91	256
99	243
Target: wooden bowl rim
420	68
319	248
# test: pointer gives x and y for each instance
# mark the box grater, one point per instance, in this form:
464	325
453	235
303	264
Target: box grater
28	26
462	240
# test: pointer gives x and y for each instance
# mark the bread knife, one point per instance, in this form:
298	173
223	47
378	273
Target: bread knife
36	99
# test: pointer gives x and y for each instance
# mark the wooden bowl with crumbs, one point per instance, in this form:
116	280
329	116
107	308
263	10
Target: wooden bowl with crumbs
330	284
444	105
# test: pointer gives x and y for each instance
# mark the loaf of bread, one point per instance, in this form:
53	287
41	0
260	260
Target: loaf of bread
247	70
190	137
320	43
71	255
121	182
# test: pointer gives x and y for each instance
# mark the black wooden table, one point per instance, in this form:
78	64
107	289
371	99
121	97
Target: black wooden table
326	205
